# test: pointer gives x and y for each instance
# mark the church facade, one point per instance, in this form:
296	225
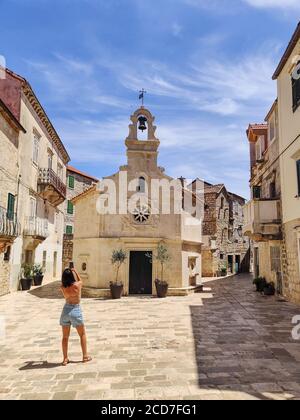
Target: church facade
137	209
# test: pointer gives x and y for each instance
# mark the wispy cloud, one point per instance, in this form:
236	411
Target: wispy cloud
218	86
273	4
72	80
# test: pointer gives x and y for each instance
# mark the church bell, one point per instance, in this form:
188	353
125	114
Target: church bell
142	123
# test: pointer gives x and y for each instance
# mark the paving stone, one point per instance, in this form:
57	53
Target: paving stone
64	396
226	344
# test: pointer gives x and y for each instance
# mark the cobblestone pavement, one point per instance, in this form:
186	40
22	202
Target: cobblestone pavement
227	343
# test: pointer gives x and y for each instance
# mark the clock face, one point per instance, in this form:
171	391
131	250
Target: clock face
141	214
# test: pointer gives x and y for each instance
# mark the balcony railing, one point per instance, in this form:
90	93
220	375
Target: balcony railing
51	187
262	219
36	227
9	226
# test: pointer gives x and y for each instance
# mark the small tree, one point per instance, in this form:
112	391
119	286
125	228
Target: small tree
118	259
27	271
162	256
37	270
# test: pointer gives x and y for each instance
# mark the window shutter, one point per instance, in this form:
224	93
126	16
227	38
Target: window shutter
69	230
275	259
70	207
296	93
71	182
10	206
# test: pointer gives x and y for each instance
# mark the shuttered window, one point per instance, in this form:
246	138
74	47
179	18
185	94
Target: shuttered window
296	93
275	259
71	182
10	206
69	230
70	208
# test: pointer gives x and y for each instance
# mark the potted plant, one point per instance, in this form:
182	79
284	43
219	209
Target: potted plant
223	270
116	287
163	257
260	283
38	275
269	289
26	277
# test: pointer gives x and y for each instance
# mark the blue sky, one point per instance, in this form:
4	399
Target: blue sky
206	65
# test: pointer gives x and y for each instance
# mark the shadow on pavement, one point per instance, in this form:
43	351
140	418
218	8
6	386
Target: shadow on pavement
49	291
42	365
243	343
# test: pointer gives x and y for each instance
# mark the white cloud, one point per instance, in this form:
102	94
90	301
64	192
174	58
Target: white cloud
218	86
233	6
281	4
69	80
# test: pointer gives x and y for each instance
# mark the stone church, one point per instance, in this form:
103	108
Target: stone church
146	208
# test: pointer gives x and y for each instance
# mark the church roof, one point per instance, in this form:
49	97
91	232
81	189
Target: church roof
213	188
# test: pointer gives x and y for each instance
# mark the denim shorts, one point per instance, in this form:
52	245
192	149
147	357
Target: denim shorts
71	315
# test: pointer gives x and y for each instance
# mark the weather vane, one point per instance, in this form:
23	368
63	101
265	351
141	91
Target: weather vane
142	96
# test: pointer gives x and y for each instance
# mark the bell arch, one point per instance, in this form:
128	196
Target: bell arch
142	115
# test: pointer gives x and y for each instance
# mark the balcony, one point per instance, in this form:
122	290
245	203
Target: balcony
262	220
51	187
9	229
36	228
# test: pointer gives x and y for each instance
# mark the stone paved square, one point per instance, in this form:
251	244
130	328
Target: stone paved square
225	343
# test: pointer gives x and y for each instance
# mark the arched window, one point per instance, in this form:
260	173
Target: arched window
142	185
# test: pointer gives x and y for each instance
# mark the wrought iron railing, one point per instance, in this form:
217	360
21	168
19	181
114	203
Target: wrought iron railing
36	227
49	177
9	225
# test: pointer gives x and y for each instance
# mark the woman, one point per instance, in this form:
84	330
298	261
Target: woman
72	314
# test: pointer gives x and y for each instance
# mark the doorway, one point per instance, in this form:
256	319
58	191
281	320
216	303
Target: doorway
256	263
230	264
140	273
237	264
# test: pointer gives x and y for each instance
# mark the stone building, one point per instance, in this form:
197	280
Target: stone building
263	224
38	174
137	223
77	183
9	225
287	75
224	246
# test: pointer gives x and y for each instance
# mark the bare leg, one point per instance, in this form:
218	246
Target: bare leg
65	342
83	342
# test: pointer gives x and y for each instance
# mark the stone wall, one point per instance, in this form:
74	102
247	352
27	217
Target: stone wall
67	251
4	276
290	261
8	183
222	221
209	225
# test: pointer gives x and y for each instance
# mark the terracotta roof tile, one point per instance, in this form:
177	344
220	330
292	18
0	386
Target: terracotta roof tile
77	171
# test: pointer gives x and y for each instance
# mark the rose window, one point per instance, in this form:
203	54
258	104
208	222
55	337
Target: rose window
141	214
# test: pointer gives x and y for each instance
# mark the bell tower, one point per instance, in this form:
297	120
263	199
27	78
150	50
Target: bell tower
142	154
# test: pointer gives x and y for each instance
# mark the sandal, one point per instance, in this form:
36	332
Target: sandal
87	359
65	362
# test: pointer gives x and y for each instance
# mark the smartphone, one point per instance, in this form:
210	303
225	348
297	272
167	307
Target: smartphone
71	266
